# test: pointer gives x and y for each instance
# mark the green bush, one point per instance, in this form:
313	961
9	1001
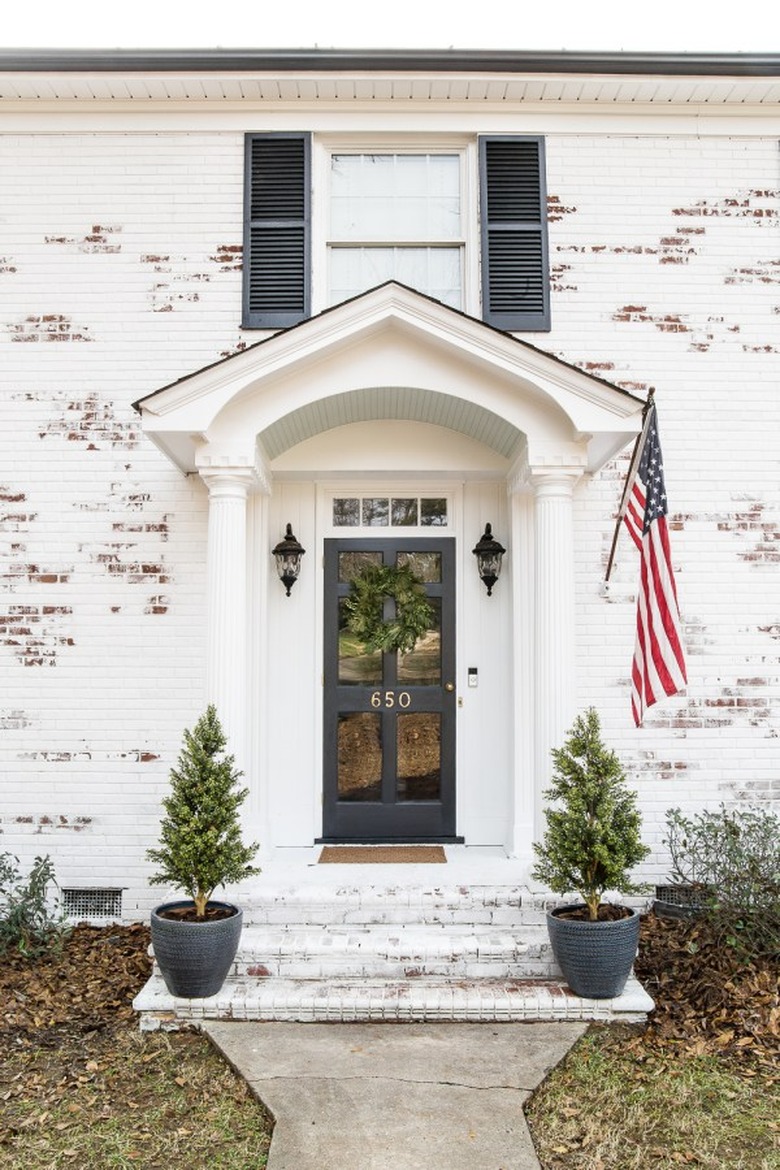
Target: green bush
593	837
732	857
27	922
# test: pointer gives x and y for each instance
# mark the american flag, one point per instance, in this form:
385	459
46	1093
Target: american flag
659	663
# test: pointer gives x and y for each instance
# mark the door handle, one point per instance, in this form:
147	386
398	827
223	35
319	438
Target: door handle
449	686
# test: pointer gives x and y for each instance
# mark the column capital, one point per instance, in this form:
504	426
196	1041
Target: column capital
223	468
543	465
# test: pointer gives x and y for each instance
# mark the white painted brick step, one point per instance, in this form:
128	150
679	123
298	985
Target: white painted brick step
435	904
381	951
410	1000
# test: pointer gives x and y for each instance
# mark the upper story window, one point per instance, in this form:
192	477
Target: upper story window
401	216
395	217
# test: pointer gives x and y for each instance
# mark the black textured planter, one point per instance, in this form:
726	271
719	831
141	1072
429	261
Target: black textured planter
595	957
195	957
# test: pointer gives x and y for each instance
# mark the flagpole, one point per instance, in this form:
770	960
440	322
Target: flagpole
635	454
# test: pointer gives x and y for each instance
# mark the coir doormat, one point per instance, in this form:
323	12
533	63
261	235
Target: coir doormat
382	855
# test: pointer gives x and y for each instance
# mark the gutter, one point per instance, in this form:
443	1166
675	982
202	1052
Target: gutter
387	60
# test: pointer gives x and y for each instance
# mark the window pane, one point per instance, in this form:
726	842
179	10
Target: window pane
360	756
346	512
395	197
403	512
419	756
433	513
376	512
434	271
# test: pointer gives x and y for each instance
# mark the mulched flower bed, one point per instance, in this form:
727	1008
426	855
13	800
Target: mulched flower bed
708	1000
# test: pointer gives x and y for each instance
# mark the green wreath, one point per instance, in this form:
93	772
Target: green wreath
365	605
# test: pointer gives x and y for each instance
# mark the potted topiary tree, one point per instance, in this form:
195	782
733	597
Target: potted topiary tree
591	844
195	941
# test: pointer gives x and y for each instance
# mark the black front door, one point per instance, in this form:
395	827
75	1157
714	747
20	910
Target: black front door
389	719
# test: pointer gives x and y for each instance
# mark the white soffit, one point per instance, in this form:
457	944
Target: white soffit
394	88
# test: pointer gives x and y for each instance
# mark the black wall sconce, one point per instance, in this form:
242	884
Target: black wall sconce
489	553
288	553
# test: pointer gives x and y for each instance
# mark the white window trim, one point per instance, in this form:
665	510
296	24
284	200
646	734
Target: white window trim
465	146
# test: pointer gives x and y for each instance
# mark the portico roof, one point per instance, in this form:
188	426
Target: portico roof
390	353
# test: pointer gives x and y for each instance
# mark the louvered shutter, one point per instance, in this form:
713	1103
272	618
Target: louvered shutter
276	230
513	198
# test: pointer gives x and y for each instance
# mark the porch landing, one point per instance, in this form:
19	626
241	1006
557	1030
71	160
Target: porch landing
465	941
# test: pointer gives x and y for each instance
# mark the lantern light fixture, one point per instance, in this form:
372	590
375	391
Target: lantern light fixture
489	553
288	553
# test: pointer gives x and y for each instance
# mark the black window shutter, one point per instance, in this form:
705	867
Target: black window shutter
277	225
513	200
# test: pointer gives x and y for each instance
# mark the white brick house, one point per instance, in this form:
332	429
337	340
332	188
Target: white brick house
390	369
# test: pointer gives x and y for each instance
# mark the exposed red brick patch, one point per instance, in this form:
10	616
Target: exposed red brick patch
157	604
97	239
556	210
29	631
122	561
558	279
6	264
229	257
666	322
92	422
768	273
259	971
49	327
743	205
239	348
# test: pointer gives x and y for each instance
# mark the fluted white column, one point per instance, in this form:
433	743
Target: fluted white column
555	634
226	653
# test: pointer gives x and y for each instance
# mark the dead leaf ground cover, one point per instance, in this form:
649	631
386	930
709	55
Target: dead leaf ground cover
698	1086
81	1086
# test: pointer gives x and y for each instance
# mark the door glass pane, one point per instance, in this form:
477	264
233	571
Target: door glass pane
360	756
421	667
357	666
353	563
419	756
425	565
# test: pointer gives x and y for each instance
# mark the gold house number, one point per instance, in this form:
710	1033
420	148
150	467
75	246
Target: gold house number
390	699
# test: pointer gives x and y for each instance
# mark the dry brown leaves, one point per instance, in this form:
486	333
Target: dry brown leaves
87	986
707	1001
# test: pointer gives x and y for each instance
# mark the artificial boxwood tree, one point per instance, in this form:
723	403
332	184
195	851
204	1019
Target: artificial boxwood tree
593	837
200	837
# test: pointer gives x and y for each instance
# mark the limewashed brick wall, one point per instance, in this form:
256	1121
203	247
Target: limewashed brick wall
667	274
120	272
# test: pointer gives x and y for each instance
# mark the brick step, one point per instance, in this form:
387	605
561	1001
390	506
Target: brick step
393	952
407	1000
373	904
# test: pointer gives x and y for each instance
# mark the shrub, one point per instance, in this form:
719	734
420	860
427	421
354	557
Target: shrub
733	857
27	923
593	838
200	838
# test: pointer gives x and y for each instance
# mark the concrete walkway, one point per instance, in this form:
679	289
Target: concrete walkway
439	1096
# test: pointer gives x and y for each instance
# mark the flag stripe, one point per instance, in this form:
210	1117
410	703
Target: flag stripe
658	666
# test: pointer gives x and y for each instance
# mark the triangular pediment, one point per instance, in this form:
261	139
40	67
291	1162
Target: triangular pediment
389	353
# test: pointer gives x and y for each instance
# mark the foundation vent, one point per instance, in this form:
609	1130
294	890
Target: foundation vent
87	903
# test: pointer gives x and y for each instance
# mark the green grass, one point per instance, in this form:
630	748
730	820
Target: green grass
614	1106
126	1101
